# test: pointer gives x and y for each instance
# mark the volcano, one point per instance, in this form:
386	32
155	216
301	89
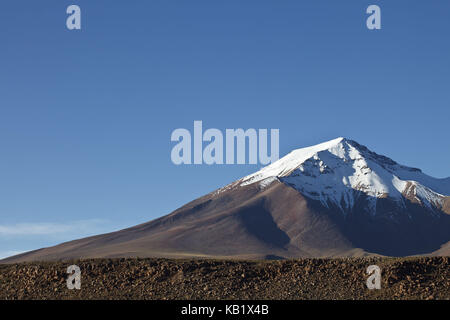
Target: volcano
335	199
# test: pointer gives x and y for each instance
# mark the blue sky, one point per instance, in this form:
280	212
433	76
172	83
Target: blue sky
86	116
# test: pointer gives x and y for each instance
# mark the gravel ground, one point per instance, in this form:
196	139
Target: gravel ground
166	279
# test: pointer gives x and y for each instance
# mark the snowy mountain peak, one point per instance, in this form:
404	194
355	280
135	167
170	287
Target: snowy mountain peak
338	171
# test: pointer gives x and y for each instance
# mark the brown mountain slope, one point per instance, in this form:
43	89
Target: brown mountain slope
446	206
244	223
266	221
445	249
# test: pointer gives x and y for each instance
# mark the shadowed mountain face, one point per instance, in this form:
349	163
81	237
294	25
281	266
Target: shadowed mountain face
334	199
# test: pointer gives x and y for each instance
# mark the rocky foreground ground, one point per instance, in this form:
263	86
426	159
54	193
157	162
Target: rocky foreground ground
410	278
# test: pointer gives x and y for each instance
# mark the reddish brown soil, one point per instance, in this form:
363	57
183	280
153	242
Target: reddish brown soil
411	278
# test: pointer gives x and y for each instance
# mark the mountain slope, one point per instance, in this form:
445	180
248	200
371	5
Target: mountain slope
334	199
247	222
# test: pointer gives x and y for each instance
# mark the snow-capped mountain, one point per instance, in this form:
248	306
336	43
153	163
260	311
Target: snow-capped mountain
339	171
334	199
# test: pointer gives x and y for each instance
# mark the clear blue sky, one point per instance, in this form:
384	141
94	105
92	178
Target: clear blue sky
86	116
